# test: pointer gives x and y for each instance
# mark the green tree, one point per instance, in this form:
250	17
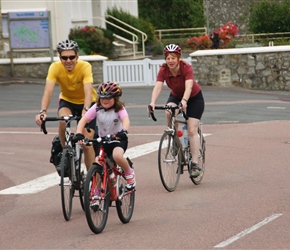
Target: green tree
270	16
172	14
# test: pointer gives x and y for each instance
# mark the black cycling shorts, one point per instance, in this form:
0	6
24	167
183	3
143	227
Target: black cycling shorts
195	105
76	109
109	147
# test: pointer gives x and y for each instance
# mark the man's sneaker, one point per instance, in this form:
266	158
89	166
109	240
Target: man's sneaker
131	183
194	170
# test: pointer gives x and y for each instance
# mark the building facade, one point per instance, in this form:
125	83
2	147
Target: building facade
64	15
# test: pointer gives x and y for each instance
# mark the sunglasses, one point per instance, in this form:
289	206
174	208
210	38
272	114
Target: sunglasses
68	57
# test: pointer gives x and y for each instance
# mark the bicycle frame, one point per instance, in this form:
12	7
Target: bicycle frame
98	179
71	177
172	156
107	165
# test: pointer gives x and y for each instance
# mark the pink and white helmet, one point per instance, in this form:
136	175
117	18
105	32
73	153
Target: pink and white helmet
172	48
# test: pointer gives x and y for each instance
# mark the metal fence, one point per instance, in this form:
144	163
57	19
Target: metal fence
133	72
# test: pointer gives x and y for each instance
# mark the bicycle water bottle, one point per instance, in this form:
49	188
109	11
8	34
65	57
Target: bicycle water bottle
113	178
185	137
180	136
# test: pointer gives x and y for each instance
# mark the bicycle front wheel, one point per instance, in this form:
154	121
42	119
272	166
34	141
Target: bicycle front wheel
201	160
96	204
124	206
66	184
169	161
80	180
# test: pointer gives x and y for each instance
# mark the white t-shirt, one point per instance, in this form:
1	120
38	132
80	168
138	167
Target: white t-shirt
109	122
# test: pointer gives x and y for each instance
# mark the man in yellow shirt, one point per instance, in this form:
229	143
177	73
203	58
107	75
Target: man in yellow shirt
75	80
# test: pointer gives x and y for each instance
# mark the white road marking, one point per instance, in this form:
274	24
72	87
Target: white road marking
247	231
276	107
6	153
51	180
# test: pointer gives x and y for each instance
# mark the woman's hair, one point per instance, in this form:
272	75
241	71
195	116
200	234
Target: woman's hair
177	55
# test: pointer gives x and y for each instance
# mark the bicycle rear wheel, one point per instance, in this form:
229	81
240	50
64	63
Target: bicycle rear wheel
201	160
96	206
169	161
125	206
67	189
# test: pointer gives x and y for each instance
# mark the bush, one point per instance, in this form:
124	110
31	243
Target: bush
93	40
172	14
270	16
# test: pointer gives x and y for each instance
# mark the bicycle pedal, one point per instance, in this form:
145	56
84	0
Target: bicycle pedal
95	206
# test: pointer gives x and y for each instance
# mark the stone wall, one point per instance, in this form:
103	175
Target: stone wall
223	11
265	68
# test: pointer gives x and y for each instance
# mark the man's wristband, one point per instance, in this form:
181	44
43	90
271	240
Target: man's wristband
41	111
185	100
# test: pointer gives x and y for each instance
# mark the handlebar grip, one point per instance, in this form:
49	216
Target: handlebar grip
42	127
151	113
184	115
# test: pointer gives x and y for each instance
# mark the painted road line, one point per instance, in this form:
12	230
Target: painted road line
276	107
51	180
247	231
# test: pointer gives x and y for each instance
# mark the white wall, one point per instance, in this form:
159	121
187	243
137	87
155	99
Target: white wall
67	14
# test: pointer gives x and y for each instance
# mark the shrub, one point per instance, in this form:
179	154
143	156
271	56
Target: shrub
92	40
270	16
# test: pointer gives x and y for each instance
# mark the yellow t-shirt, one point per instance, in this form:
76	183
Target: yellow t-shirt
71	84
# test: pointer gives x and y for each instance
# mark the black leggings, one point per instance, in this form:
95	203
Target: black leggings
195	105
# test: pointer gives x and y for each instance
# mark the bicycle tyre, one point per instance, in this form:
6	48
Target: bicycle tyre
169	161
96	215
125	206
80	180
201	160
67	189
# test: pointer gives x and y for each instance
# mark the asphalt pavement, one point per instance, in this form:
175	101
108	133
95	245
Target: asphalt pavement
242	203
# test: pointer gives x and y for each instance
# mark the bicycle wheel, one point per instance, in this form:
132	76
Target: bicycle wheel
201	160
80	180
66	187
169	161
125	206
96	207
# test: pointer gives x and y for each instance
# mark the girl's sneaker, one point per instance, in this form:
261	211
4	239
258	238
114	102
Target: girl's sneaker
131	183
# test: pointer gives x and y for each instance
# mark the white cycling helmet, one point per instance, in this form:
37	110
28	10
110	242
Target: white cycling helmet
67	45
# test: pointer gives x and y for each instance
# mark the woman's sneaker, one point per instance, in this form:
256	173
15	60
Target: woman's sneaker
131	183
194	170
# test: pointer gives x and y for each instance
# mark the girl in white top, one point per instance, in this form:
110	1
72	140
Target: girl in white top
112	119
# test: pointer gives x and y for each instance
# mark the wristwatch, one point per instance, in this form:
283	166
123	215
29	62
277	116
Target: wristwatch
86	108
41	111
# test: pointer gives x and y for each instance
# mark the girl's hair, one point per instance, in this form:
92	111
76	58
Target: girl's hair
118	105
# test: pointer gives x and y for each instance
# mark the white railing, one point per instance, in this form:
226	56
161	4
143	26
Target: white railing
134	72
179	33
143	35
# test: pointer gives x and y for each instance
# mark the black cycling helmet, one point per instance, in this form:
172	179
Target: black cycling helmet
172	48
67	45
109	89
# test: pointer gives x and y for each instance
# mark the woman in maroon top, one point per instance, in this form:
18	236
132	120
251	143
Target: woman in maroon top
178	76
